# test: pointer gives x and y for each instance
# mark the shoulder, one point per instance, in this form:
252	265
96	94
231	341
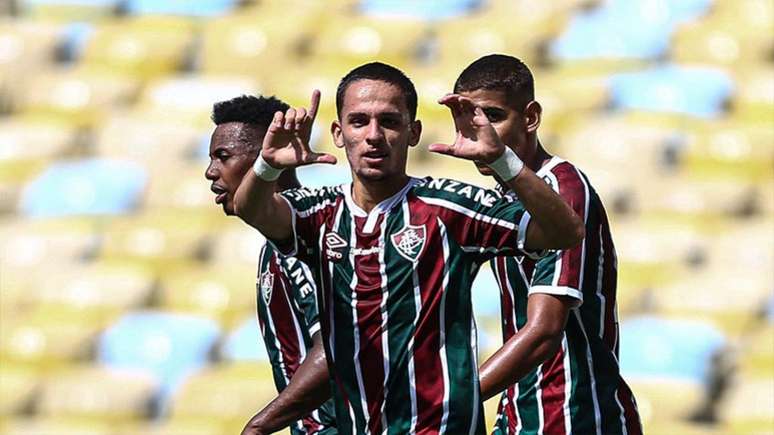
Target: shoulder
444	191
566	178
305	198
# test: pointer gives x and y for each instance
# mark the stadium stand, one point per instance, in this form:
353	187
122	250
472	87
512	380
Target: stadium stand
127	299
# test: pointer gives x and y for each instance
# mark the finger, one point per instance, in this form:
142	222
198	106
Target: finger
441	148
452	103
290	119
320	158
480	117
301	118
276	122
314	104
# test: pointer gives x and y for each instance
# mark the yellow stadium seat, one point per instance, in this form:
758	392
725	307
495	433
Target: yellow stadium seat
213	290
57	426
27	44
180	185
225	392
661	401
18	389
750	400
754	99
189	99
77	96
50	336
352	40
138	136
30	244
176	426
143	47
158	234
236	244
116	395
26	140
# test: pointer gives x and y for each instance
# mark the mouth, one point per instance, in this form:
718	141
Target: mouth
375	156
220	193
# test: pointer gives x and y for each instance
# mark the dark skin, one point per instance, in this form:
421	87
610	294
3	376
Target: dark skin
234	147
547	315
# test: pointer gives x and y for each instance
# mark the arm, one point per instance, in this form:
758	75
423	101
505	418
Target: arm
308	389
538	340
285	145
554	224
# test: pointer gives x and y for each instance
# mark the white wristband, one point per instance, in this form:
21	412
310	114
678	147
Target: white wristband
508	165
265	171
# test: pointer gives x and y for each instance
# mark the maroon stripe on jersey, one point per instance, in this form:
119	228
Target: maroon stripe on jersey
311	425
609	279
633	424
369	319
427	362
506	301
284	323
509	410
573	190
552	384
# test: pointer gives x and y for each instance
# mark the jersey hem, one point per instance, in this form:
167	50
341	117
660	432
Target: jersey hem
558	290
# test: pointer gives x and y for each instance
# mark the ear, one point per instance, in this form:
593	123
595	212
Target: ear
416	132
532	116
338	140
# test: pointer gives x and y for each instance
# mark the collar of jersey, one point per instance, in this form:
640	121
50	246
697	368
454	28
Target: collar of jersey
540	172
380	208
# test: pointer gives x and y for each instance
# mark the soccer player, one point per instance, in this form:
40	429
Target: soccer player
285	290
396	255
559	363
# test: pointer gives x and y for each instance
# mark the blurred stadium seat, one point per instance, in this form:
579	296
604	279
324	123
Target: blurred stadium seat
427	10
69	9
166	346
244	343
84	187
199	8
18	389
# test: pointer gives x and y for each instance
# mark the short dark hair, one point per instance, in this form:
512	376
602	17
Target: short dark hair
248	109
382	72
499	72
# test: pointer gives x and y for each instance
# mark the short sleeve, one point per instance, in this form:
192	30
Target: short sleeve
309	209
484	222
304	291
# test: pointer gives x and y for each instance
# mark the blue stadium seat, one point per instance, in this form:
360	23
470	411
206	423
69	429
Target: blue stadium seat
84	187
199	8
422	9
323	175
170	346
668	348
625	29
701	92
486	291
245	343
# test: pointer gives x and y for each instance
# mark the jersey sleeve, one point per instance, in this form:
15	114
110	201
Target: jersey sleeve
560	272
309	209
484	222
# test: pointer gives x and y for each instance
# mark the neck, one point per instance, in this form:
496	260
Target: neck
367	194
539	158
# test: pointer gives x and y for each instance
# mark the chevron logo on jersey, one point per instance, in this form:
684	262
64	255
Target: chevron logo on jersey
333	242
410	241
267	284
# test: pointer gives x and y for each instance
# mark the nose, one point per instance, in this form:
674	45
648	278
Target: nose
211	173
375	134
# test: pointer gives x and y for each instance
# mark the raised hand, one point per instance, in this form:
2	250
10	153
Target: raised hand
476	139
286	144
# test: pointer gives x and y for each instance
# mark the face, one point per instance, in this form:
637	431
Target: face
375	130
230	158
512	126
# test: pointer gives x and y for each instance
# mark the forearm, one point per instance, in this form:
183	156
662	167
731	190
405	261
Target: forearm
256	203
522	353
308	390
559	227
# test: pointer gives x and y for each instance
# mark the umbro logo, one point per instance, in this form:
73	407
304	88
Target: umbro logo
334	242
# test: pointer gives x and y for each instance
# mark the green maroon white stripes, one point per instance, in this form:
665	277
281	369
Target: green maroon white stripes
399	329
579	389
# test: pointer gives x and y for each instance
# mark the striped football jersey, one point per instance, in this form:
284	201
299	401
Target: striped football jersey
394	290
580	389
288	318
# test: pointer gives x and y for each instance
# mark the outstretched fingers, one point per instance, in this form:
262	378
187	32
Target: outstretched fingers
314	104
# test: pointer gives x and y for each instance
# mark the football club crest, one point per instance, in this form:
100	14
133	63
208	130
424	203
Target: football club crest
410	241
267	284
333	243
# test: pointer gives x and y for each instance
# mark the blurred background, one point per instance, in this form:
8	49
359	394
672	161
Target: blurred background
127	299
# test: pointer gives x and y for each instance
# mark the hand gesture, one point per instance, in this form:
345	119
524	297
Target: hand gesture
476	139
286	144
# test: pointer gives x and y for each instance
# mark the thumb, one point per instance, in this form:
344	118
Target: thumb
441	148
322	158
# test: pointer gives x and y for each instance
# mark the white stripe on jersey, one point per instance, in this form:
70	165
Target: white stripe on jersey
468	212
442	325
355	328
623	416
385	330
417	308
590	361
507	285
558	262
474	357
600	295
